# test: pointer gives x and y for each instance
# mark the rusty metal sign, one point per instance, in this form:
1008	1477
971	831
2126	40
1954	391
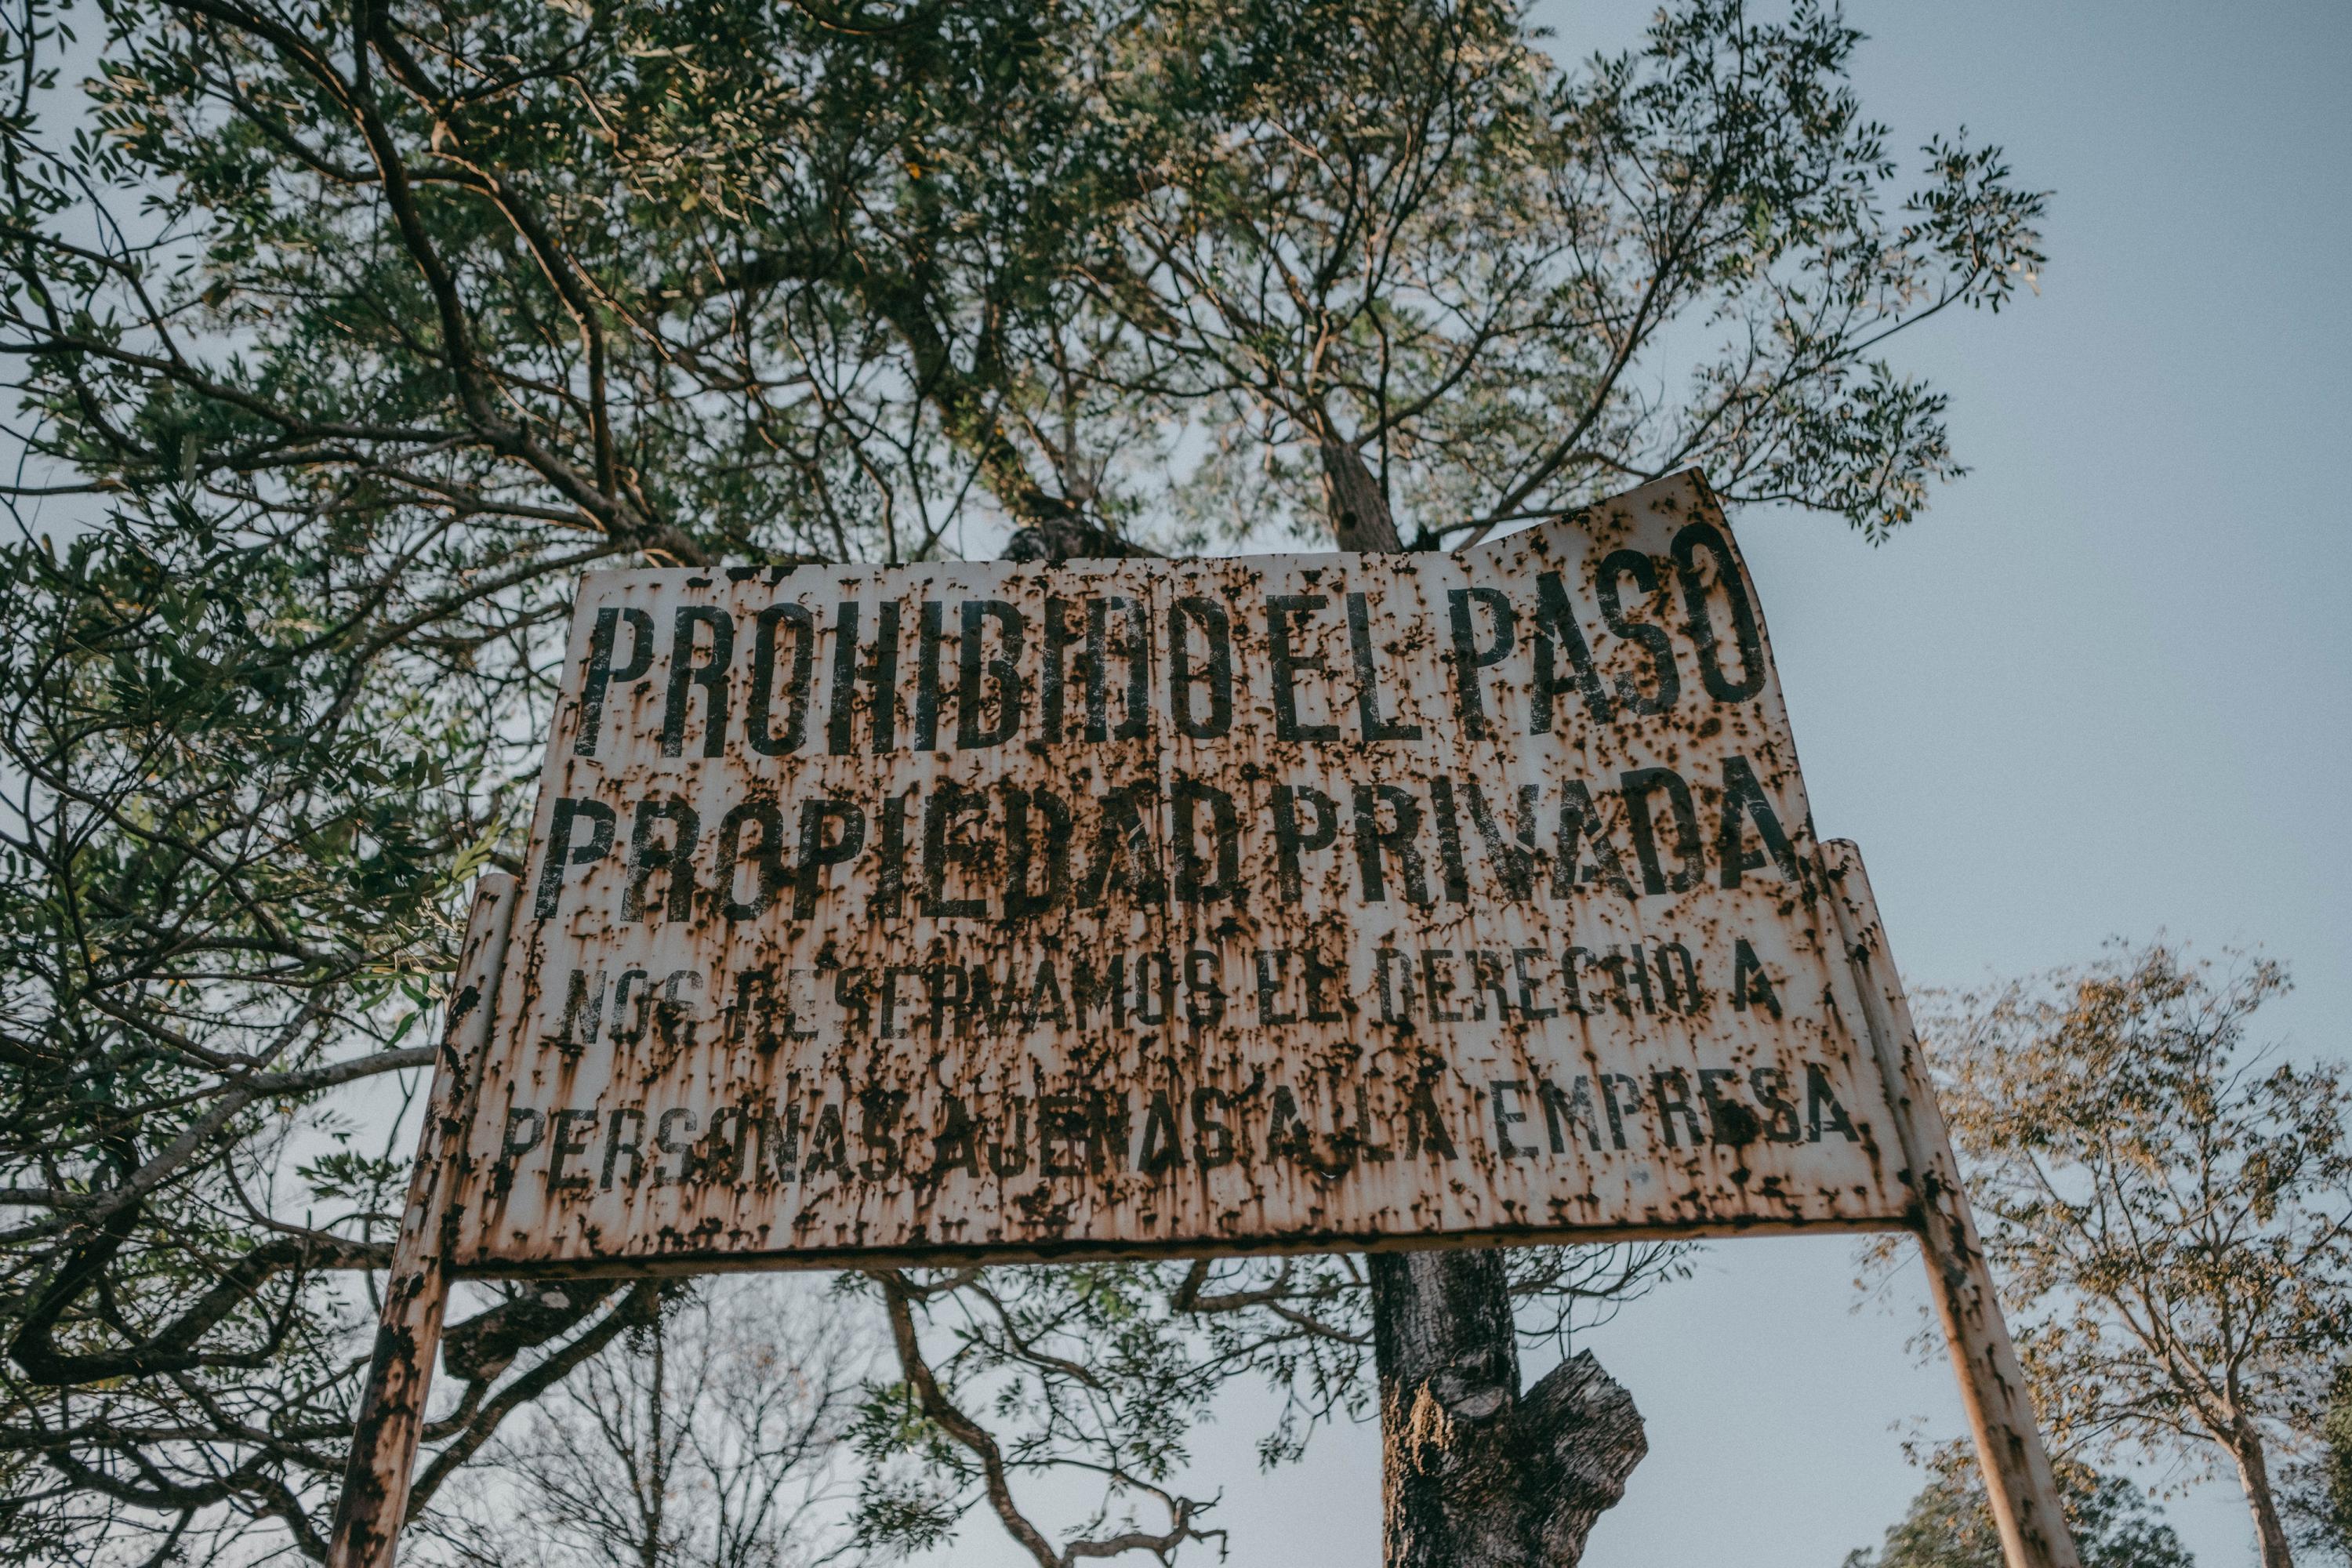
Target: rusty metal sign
1116	907
994	911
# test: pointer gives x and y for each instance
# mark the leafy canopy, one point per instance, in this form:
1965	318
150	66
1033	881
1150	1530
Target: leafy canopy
342	339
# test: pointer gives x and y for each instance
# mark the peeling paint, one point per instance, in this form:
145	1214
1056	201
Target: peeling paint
1122	907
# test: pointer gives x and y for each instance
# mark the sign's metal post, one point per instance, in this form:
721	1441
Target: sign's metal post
374	1499
2018	1481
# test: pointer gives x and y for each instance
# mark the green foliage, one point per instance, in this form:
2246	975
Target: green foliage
343	342
2318	1490
1949	1524
2169	1209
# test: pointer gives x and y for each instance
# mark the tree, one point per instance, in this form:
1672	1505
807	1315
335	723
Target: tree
713	1437
2317	1496
2169	1209
1949	1524
345	337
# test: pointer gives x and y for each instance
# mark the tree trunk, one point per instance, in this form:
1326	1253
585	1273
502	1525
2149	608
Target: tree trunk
2245	1444
1475	1474
1352	498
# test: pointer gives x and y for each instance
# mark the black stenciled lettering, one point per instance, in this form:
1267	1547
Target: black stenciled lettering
1751	985
889	1027
832	832
991	1001
1821	1107
1396	1001
930	637
1568	978
1512	861
1693	538
1617	1109
1292	841
1009	1155
1214	1143
1665	683
1216	626
1287	664
601	673
982	676
759	702
1639	967
633	999
755	999
570	1131
1028	849
1287	1135
1454	867
1437	983
692	665
779	1150
946	851
853	994
1639	784
950	992
1368	676
1375	844
1125	861
563	853
879	674
890	865
1321	1007
1580	1109
1045	1004
878	1111
1273	981
767	858
1487	979
1057	637
584	1012
673	861
1531	1006
1155	989
1581	829
1744	801
1731	1121
1357	1141
1503	1094
1217	877
1678	978
1558	637
1066	1136
1469	658
675	1018
956	1145
1135	648
524	1129
1425	1131
1204	990
828	1144
634	1120
723	1143
1770	1088
674	1134
1091	989
1162	1148
1670	1091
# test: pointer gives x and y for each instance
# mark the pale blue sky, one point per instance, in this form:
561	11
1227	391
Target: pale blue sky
2104	687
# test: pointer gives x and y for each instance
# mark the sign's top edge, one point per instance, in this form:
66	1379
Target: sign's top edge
1692	480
